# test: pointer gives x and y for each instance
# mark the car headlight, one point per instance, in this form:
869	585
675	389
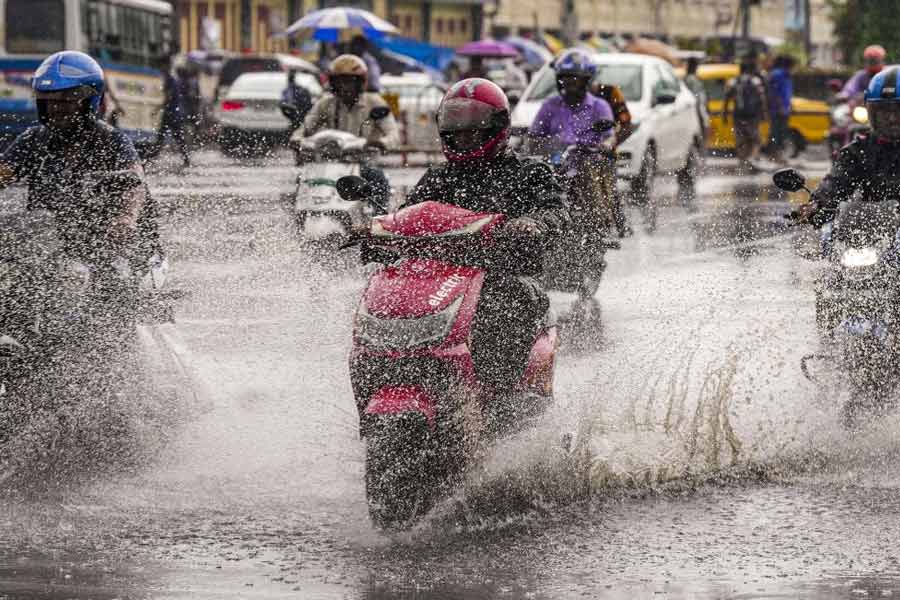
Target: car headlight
406	333
859	257
861	115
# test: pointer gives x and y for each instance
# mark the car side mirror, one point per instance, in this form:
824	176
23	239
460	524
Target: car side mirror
789	180
379	112
353	188
603	125
664	98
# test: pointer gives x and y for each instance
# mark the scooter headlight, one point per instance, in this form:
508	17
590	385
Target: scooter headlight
855	258
861	115
395	334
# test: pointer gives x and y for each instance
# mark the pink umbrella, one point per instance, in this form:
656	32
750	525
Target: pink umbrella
489	49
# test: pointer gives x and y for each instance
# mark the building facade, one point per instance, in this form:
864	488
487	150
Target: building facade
672	19
238	25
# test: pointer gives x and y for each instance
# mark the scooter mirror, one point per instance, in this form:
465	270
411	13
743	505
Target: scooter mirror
353	188
789	180
379	112
603	125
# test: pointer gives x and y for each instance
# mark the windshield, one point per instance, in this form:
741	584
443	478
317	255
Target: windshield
629	78
236	67
35	26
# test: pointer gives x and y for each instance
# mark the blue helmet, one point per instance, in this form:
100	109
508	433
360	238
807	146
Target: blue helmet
71	70
883	102
884	86
575	62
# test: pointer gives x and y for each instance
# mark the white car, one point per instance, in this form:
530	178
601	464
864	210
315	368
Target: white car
249	116
668	138
418	97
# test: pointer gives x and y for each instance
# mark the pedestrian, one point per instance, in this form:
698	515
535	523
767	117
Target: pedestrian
781	91
359	46
191	101
171	124
695	85
298	97
746	94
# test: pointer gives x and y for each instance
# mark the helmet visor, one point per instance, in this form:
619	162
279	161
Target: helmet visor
458	114
885	118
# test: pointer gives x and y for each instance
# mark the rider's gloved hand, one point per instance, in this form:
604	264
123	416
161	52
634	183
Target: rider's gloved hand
375	146
522	230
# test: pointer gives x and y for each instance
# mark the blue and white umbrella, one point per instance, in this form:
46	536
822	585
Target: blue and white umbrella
331	24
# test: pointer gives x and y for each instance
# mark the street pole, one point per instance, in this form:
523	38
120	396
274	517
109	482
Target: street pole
745	20
568	21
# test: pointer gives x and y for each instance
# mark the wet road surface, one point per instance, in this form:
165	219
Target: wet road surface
704	466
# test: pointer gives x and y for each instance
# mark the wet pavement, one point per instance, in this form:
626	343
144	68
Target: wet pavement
704	464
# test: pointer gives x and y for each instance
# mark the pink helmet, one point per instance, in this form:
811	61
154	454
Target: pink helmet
874	57
474	107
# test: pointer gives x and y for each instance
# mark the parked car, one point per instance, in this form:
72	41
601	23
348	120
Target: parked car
809	122
236	66
415	98
668	137
249	115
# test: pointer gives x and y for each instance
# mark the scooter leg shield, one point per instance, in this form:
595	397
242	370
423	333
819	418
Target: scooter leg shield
396	400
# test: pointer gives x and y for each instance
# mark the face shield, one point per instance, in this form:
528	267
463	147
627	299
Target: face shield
466	125
348	88
572	88
885	119
65	110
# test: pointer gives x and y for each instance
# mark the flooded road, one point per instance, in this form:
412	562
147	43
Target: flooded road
704	464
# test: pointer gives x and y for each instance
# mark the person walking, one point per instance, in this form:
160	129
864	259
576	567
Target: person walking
693	83
299	98
745	101
781	91
172	122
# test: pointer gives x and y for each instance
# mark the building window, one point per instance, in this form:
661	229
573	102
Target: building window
451	26
439	25
408	23
463	26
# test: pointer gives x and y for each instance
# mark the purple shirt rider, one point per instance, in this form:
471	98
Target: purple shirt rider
856	85
572	125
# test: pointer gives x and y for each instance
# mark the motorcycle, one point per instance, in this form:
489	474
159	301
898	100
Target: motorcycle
67	317
856	298
423	410
587	172
319	212
848	120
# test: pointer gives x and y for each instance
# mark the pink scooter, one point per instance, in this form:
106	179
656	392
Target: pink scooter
421	404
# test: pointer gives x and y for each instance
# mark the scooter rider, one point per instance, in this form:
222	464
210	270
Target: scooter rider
873	57
56	158
348	108
871	163
481	175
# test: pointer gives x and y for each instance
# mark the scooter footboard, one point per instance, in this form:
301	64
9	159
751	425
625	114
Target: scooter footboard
400	399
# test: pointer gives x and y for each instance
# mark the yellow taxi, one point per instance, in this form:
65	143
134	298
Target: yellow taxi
809	123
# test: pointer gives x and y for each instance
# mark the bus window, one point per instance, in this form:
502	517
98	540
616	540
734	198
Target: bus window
35	26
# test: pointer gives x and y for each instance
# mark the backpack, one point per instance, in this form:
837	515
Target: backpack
748	99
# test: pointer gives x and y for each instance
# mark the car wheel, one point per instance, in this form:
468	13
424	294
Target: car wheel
642	185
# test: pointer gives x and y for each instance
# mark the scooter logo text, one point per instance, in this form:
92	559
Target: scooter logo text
445	290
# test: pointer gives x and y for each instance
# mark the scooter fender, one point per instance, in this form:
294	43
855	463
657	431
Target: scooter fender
400	399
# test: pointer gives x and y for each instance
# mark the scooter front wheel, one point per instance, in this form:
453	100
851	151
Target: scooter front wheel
398	488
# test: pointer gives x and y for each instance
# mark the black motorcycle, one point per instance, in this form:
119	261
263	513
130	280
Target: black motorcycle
857	299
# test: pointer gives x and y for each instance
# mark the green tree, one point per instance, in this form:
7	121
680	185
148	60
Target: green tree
859	23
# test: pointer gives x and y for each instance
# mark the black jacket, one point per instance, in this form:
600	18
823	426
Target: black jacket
508	185
867	165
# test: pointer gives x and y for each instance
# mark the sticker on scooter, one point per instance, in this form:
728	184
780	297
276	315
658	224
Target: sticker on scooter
445	290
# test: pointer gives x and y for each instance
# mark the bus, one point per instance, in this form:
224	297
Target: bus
127	37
